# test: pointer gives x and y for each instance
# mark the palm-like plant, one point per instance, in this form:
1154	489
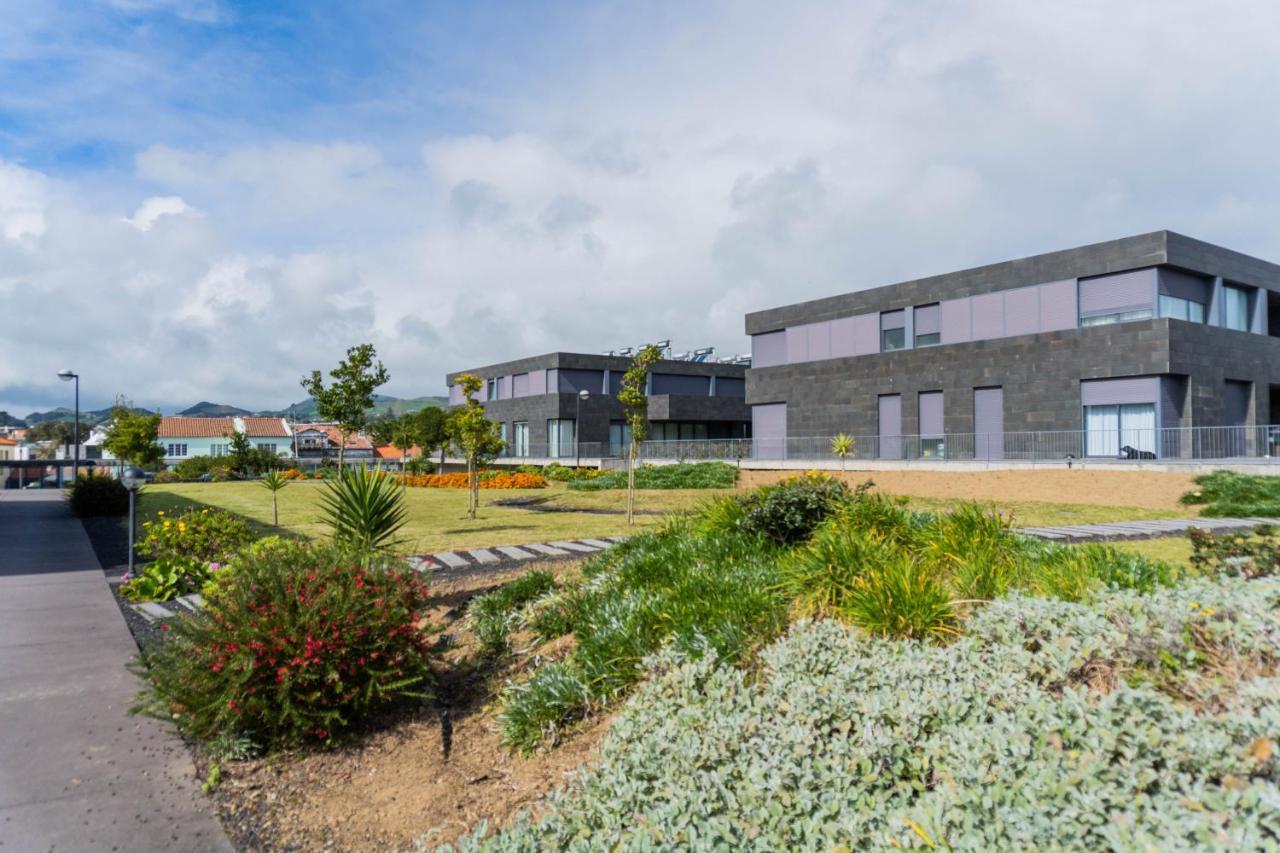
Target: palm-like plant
365	509
842	445
274	482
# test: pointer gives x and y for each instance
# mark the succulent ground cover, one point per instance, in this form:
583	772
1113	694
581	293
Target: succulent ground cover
1132	721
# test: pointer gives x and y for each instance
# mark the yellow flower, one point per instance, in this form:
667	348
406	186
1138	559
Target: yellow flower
166	523
161	512
1194	605
1208	611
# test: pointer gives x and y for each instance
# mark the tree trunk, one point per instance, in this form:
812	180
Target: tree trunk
631	484
275	511
471	489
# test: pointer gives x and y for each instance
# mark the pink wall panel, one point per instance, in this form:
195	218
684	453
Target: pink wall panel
866	334
1022	311
819	341
988	316
797	344
1058	305
957	321
842	337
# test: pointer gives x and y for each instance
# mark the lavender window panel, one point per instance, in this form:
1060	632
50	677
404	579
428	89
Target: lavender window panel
988	423
520	385
1130	389
455	395
928	319
1125	291
797	344
537	382
890	417
504	387
819	341
988	316
957	321
553	380
866	334
1022	311
931	413
769	349
1185	285
1058	308
893	319
842	337
769	430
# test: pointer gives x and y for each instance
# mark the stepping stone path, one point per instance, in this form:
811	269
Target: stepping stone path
1143	529
496	558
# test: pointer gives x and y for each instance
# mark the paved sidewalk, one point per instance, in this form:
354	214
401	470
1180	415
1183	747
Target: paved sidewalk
1144	529
76	772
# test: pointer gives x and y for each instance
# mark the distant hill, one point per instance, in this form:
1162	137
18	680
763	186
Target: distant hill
62	413
306	409
213	410
9	420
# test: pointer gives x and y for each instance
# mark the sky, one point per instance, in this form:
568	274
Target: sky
206	199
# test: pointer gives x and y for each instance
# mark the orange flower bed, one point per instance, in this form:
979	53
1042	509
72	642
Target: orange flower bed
459	481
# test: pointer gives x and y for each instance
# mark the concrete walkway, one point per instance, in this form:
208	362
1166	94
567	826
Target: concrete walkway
1144	529
76	772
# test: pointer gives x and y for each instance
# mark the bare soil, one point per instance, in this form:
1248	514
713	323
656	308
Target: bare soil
439	768
1150	489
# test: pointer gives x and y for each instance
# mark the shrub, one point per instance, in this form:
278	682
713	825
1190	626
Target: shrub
1255	554
296	644
98	494
420	465
492	614
1228	494
554	614
565	474
206	535
788	512
822	576
684	475
364	508
162	477
976	550
533	710
168	578
195	467
902	597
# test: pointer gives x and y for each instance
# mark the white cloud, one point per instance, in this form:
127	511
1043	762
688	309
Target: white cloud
23	197
155	207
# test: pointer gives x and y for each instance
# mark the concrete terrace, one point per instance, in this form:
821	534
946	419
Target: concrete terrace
76	771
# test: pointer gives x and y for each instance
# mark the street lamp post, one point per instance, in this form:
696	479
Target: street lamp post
577	426
132	478
66	376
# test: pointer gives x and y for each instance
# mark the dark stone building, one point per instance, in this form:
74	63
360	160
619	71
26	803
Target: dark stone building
1088	351
537	401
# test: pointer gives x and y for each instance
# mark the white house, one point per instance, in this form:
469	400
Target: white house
183	438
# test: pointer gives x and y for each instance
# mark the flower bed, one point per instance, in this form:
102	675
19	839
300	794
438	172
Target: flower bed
487	481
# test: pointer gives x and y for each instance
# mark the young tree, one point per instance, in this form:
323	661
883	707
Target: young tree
131	435
239	452
432	431
635	407
842	445
475	436
274	482
350	395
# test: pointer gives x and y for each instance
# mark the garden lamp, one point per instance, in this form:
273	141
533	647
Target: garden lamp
132	478
66	375
577	427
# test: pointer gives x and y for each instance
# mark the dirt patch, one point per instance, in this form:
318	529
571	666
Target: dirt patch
1150	489
438	768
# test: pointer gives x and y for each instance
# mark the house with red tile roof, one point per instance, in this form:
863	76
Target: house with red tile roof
184	438
318	443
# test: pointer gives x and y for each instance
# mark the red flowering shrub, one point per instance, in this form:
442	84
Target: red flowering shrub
295	644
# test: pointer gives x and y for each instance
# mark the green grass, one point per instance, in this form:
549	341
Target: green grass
1047	514
1174	550
1226	494
686	475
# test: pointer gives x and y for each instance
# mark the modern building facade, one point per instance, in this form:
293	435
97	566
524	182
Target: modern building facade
1121	347
538	402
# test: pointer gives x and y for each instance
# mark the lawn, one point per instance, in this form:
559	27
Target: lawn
436	517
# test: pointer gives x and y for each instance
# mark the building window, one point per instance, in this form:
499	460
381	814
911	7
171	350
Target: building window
930	424
619	438
1235	308
520	434
1120	430
491	389
560	436
502	435
269	447
1176	308
176	450
893	330
928	325
219	449
1118	317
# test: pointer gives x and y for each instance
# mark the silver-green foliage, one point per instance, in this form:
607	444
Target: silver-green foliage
991	742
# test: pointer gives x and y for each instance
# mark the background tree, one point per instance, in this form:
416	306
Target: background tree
477	437
399	431
635	406
239	451
60	433
131	436
348	398
432	431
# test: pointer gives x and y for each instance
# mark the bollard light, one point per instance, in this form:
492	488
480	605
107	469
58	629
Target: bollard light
133	480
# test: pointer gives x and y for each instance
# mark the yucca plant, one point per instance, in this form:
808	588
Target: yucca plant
842	445
274	482
365	509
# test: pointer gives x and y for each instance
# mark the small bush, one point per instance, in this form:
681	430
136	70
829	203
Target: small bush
206	535
902	598
364	508
533	710
1253	554
420	465
563	473
684	475
97	494
788	512
821	577
168	578
976	550
295	644
195	467
1228	494
493	613
554	614
162	477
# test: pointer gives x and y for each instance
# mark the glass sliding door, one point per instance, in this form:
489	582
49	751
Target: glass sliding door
1138	429
520	434
1102	430
560	438
1121	430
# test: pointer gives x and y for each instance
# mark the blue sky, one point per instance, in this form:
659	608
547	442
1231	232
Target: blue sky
249	188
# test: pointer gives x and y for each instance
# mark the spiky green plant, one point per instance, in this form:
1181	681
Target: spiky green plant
274	482
842	445
365	509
